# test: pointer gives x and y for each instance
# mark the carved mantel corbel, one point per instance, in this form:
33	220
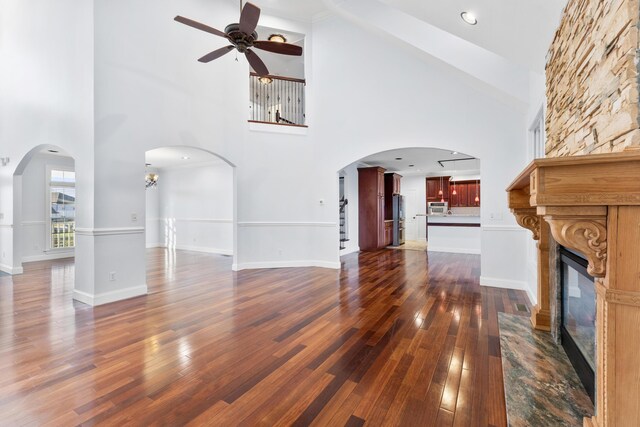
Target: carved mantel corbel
583	230
528	218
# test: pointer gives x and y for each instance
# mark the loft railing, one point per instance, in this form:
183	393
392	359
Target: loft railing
281	101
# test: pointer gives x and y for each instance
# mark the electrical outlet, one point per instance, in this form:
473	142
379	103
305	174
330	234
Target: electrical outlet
134	217
112	276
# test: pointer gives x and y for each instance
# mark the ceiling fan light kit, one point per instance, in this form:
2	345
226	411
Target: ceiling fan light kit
277	38
243	37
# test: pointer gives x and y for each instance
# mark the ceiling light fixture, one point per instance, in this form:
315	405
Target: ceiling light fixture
398	158
265	80
279	38
454	152
411	166
185	157
469	18
151	180
53	151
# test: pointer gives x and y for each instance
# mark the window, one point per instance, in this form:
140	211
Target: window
62	209
537	136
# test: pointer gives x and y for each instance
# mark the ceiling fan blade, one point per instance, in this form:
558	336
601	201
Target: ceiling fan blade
256	63
249	18
216	54
277	47
199	26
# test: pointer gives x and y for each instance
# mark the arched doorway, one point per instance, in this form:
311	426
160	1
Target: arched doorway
44	206
400	217
190	202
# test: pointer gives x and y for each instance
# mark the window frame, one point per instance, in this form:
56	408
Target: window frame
48	184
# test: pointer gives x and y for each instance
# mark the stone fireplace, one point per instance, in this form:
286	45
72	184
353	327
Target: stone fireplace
585	196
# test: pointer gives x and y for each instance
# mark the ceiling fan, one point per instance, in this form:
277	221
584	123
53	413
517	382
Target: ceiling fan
243	37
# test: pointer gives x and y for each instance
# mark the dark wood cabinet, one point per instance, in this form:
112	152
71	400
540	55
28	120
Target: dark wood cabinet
388	232
434	185
391	187
466	194
474	190
461	198
371	199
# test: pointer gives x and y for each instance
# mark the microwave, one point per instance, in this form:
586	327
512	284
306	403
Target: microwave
438	208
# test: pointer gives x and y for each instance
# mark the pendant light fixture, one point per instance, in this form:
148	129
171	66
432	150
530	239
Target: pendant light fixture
477	199
454	183
440	191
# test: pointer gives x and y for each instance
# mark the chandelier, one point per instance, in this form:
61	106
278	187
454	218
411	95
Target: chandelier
151	180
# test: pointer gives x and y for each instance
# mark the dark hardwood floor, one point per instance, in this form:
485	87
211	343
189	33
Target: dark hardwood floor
395	338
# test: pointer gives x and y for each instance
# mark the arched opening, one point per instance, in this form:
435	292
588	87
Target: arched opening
44	206
424	199
190	206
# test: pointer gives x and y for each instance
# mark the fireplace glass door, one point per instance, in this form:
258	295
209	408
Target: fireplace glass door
578	327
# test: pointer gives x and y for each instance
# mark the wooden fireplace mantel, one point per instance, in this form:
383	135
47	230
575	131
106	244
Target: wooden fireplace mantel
591	204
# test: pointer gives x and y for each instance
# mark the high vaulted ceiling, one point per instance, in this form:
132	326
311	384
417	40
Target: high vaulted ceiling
519	30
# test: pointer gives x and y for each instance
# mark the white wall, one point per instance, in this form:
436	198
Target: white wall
35	208
411	100
194	209
46	82
153	238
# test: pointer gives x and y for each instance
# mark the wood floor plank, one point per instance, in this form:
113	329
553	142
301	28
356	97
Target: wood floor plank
395	338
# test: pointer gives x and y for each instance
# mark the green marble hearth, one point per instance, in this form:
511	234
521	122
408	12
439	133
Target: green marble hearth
541	387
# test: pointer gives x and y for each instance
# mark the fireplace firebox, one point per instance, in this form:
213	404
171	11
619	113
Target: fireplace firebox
578	317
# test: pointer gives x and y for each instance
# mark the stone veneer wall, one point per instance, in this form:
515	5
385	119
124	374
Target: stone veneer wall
592	79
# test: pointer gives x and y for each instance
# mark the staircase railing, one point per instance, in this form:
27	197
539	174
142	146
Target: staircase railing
275	99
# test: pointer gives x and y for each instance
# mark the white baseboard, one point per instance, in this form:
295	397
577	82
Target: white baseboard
454	250
533	299
503	283
285	264
11	270
193	248
204	249
48	256
348	251
107	297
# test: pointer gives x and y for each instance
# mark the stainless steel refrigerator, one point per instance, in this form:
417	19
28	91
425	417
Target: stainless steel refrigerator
398	219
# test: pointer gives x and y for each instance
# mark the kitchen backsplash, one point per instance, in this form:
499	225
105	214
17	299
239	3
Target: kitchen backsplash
466	211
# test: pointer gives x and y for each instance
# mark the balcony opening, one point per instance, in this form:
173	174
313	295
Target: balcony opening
279	97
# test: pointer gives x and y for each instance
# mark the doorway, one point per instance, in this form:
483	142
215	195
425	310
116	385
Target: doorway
44	206
190	202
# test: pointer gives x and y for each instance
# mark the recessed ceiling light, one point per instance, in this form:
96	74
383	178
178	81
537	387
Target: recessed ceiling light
53	151
469	18
411	166
185	157
277	38
454	152
398	158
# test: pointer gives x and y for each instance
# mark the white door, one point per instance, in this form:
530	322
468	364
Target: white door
411	221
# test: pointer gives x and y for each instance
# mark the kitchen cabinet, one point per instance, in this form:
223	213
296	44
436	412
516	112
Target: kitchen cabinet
461	198
371	199
388	232
433	188
466	194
